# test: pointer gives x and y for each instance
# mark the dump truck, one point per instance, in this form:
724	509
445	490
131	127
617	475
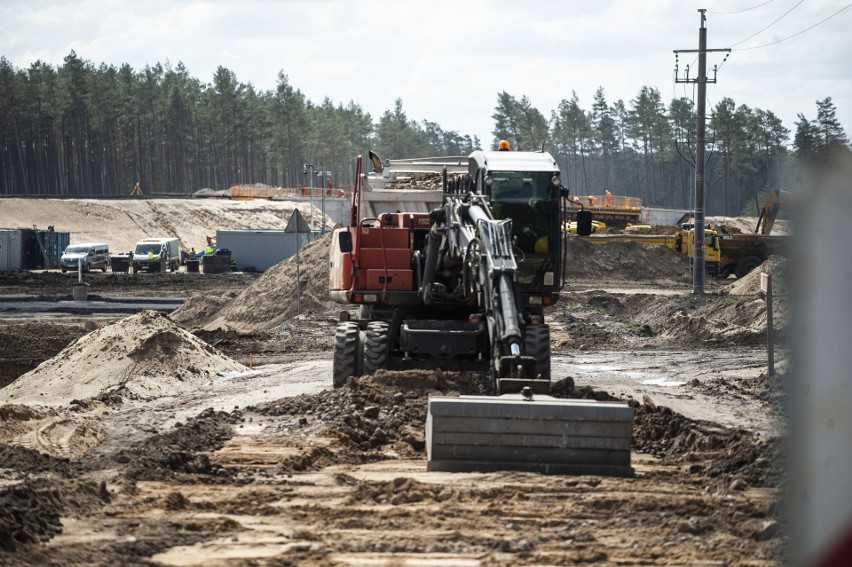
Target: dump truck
742	253
465	287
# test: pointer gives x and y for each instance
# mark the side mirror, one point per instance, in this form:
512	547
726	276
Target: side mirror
344	241
584	223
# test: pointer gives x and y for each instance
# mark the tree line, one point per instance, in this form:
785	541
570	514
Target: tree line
80	130
645	148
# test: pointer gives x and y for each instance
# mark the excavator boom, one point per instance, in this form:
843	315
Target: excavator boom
465	287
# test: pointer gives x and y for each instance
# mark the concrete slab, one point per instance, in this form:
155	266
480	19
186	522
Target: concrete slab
548	435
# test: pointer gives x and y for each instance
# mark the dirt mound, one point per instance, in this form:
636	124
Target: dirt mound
271	300
30	461
30	512
181	450
384	412
776	266
624	261
141	356
714	451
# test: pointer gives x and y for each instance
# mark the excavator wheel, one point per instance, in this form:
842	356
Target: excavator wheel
346	353
537	344
377	346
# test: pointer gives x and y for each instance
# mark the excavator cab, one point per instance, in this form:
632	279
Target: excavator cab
525	187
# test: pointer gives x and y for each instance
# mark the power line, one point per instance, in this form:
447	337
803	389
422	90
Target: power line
770	25
795	34
741	11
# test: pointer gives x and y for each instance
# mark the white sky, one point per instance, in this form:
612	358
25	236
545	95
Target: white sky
447	60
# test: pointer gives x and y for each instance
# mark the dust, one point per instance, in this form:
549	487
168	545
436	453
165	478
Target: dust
142	356
270	301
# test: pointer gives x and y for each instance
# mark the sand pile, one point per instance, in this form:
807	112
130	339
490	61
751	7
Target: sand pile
624	261
145	355
776	266
271	300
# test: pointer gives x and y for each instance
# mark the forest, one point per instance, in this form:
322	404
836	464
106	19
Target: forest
80	130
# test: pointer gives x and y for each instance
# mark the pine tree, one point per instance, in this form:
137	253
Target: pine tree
830	131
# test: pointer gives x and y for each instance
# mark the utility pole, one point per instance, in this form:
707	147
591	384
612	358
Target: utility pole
700	110
310	169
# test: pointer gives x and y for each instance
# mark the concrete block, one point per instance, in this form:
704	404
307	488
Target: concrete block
548	435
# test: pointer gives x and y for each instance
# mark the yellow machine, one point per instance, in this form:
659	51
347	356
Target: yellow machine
571	227
682	241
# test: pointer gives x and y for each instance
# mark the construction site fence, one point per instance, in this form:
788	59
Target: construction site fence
612	202
254	192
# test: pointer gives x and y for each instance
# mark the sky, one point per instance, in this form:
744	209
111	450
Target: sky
447	60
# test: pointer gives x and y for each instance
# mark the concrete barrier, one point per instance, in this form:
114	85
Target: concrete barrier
546	435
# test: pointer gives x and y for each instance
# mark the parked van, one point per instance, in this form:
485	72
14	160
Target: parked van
94	255
156	254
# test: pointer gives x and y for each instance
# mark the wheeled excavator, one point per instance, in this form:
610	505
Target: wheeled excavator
465	287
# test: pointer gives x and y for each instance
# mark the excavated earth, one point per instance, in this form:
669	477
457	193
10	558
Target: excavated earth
212	436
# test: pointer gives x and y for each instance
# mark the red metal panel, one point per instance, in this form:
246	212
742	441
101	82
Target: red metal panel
397	258
397	280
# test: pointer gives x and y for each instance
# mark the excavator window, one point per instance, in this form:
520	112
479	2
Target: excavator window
524	197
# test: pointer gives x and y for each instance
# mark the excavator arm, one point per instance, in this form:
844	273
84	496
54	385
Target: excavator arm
479	249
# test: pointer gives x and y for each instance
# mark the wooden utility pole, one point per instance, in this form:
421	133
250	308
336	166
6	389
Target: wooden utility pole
701	111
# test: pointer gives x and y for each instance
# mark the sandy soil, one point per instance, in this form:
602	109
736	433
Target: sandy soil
270	466
121	223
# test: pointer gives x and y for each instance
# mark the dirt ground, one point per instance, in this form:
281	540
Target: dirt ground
254	460
121	223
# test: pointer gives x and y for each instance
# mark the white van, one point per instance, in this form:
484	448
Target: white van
94	255
155	254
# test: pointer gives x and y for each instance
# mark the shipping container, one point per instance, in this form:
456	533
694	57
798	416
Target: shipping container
31	249
258	250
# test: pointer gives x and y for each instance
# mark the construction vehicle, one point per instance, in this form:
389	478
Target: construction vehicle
464	287
683	241
156	255
742	253
570	227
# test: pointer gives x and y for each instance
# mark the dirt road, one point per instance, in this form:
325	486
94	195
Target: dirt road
270	466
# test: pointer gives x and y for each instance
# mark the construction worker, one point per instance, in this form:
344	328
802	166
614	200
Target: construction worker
608	198
209	250
150	255
592	201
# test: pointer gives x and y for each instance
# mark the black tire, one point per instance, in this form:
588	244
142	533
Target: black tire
746	265
376	346
104	268
537	344
346	353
